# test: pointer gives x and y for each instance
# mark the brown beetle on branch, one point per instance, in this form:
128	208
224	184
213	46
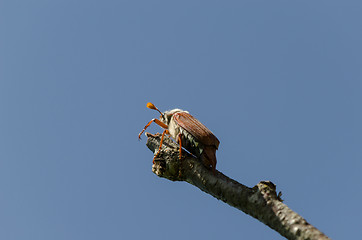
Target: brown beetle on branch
190	134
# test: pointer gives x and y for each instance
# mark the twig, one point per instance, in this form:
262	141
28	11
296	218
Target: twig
261	202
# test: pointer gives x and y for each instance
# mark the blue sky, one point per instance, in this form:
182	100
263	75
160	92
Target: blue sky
278	82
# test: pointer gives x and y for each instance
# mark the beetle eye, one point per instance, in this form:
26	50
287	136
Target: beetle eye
164	118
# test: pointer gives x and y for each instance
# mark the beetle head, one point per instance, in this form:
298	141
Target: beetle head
167	115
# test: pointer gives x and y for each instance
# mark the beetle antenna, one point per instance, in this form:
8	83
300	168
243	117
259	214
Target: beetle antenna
151	106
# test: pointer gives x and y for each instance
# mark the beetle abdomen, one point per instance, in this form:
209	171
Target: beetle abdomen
205	153
190	143
195	138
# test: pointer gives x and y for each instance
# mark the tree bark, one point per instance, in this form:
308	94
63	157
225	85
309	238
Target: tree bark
261	202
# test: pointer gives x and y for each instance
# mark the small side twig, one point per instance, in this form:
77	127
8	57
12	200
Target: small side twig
261	202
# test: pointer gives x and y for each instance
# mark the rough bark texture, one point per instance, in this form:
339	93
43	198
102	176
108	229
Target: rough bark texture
262	202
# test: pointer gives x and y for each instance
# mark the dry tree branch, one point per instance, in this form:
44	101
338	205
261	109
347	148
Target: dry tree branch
260	202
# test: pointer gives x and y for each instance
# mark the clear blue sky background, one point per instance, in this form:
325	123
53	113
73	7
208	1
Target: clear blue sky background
278	82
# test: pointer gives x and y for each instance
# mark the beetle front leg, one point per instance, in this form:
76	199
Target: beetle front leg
159	149
158	122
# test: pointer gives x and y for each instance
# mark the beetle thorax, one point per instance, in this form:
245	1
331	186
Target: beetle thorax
173	128
168	119
167	115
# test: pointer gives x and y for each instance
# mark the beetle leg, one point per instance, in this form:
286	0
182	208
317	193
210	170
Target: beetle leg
180	156
179	142
159	149
158	122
